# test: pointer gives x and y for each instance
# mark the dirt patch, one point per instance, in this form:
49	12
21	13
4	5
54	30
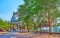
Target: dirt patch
33	35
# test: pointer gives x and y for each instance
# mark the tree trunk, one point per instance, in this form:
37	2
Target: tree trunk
49	23
40	29
27	29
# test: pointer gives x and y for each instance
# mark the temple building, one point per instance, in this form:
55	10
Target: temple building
14	24
14	18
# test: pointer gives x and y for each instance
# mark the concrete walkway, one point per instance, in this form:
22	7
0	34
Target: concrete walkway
28	35
8	35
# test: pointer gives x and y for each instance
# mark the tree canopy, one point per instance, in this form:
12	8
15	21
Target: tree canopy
4	24
35	12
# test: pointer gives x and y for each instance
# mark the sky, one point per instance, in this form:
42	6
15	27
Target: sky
7	7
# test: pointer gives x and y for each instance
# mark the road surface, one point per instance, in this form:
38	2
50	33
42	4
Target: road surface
8	35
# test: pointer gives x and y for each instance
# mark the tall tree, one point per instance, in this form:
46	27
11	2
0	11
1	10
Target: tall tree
46	9
4	25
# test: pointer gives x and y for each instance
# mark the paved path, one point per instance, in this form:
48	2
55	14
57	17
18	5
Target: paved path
28	35
8	35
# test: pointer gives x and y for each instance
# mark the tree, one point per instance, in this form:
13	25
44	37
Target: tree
50	8
4	24
46	9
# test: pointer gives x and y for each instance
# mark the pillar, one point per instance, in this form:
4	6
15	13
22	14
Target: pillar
18	28
9	27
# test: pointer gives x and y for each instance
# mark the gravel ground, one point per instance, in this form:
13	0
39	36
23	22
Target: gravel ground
36	35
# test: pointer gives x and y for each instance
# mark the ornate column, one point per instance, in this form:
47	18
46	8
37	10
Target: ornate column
9	27
13	27
18	27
